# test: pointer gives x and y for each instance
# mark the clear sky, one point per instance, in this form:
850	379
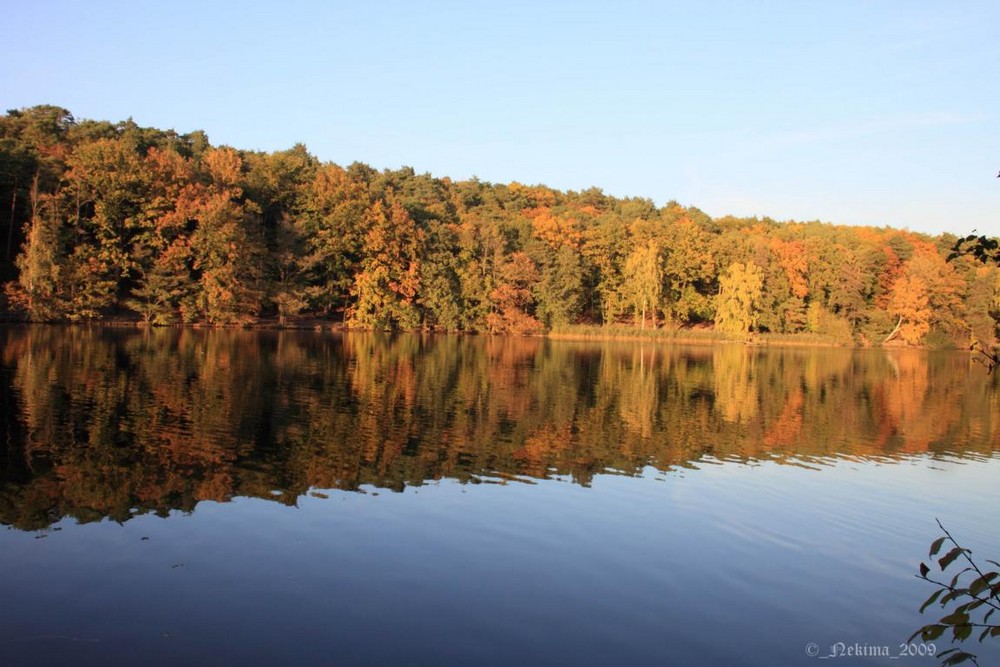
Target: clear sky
882	113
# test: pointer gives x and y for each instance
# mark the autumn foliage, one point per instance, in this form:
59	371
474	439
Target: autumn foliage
116	221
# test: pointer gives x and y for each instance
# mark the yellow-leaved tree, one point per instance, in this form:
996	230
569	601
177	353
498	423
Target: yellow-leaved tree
737	307
909	302
643	284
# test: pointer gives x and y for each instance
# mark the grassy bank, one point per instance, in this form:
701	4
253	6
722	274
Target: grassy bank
619	332
687	336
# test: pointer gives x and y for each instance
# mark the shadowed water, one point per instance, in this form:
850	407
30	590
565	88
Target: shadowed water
211	497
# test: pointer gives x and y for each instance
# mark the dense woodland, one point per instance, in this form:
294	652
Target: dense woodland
115	221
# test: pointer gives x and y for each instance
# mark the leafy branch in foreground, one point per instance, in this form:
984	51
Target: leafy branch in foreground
975	595
983	249
988	357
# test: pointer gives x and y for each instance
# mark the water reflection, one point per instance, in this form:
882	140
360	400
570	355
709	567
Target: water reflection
104	423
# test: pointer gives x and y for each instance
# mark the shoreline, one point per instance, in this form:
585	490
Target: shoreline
701	337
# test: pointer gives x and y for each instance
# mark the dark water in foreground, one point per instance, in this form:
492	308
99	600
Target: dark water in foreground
194	497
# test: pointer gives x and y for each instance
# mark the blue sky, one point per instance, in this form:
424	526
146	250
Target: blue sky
882	113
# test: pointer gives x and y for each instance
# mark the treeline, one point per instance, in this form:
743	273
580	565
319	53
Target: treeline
113	422
113	220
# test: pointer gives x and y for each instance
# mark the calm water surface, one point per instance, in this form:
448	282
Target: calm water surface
193	497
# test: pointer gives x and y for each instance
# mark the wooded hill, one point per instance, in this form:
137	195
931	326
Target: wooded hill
112	220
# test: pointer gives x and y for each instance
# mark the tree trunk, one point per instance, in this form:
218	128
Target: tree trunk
894	331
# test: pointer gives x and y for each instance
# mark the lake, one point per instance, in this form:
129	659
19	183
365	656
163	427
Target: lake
183	496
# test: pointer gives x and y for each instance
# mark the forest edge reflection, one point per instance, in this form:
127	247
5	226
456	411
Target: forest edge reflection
113	423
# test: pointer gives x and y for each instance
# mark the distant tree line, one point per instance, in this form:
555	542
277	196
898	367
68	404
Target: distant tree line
112	220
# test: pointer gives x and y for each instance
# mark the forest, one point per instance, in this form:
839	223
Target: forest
107	221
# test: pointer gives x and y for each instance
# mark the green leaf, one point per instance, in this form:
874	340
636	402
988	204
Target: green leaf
931	632
958	658
952	595
995	632
961	632
988	614
950	557
931	600
924	570
956	618
981	583
984	635
936	546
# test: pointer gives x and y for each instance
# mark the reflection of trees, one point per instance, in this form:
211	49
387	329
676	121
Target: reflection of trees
638	393
736	386
803	409
904	396
104	423
787	428
925	400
